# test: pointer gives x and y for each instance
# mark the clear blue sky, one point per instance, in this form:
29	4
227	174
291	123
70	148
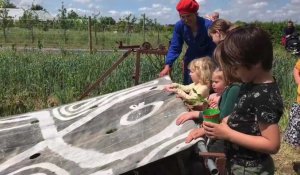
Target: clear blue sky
165	10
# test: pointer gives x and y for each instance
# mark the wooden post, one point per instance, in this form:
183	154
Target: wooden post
137	67
157	29
144	18
90	35
105	74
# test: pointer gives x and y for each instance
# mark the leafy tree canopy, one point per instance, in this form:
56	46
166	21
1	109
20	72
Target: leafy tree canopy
6	4
107	20
73	15
37	7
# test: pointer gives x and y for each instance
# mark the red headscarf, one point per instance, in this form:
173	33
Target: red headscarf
187	6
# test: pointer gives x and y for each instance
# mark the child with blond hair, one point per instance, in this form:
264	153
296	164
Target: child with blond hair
195	94
226	87
218	85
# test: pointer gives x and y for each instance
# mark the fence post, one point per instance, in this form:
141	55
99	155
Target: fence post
90	35
157	29
144	18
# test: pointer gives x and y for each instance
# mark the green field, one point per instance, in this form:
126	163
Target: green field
30	80
34	80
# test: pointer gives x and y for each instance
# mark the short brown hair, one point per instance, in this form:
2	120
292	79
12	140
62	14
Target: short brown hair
229	76
221	25
248	46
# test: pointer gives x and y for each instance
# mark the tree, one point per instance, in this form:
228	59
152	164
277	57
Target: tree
6	20
7	4
145	23
37	7
107	21
29	20
72	15
127	22
130	19
96	25
62	19
148	22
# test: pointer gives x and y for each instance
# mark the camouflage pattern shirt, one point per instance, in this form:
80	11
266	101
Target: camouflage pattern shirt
258	103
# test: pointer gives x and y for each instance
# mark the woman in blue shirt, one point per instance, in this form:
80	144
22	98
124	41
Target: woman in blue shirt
193	30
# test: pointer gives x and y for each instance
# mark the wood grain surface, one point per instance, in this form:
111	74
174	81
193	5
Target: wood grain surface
108	134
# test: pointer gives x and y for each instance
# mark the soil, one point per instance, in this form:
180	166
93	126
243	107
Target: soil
284	159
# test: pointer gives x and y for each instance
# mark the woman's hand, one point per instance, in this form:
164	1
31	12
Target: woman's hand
166	71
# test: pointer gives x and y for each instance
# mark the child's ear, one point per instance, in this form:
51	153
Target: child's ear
257	66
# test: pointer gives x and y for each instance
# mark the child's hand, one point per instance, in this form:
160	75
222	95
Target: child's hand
216	131
187	116
194	134
169	88
179	96
213	104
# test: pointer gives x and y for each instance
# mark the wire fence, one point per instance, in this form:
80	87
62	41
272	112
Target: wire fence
78	33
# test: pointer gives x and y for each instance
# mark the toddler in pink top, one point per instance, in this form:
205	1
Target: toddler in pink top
218	85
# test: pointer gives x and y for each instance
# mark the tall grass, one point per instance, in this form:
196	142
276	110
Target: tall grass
284	64
35	80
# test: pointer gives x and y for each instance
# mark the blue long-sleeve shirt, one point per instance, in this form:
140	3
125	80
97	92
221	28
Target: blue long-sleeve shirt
198	46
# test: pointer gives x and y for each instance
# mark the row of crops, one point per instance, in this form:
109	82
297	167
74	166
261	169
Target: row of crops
36	80
33	80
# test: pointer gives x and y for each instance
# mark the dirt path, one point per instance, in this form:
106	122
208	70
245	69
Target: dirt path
284	159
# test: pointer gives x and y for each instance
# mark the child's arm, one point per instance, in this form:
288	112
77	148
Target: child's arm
268	142
182	94
200	89
213	100
179	89
296	72
229	101
171	87
185	88
296	76
193	115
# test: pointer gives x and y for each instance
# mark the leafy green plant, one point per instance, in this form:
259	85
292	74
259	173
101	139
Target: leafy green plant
197	101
